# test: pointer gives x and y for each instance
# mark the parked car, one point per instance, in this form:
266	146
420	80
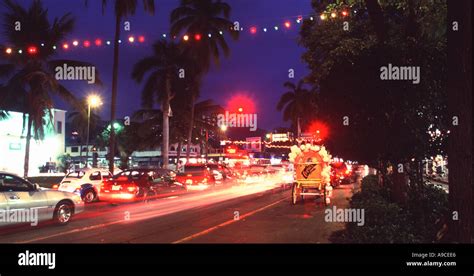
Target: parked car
136	184
198	176
86	182
18	194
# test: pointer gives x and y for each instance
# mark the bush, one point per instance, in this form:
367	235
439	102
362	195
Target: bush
427	209
388	222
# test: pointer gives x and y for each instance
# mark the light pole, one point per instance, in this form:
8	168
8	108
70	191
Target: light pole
92	101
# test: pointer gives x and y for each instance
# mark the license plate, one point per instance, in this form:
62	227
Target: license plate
115	188
189	181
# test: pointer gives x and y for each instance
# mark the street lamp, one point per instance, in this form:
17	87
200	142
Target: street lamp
92	101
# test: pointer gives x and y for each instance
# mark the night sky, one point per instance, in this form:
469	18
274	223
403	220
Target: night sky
257	67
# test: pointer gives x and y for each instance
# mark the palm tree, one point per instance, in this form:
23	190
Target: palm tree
122	8
210	20
161	70
205	112
31	77
296	104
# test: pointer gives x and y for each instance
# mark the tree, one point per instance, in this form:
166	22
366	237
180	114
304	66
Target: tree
208	20
31	82
122	8
162	72
460	139
298	103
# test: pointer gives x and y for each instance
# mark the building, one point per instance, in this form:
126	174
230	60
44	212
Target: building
13	143
138	158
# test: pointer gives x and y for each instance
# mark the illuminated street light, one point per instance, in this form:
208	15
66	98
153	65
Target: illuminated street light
92	102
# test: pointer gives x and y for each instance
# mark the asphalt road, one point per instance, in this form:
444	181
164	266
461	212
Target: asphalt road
254	213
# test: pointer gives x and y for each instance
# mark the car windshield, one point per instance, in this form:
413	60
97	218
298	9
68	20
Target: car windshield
76	174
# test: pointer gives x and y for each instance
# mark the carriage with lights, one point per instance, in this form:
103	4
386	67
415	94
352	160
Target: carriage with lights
312	170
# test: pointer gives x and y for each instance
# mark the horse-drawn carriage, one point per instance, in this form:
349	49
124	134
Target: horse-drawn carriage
312	171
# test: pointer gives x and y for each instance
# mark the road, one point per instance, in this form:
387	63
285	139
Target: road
253	213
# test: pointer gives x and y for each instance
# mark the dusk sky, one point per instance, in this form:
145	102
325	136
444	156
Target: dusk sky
257	67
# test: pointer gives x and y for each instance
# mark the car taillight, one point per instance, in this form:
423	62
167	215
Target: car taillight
55	187
204	180
189	175
132	189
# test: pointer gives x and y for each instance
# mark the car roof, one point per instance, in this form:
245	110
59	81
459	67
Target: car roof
10	173
91	169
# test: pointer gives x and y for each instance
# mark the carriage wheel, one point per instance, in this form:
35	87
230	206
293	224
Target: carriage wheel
295	192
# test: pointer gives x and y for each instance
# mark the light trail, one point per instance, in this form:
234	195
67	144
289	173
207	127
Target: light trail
135	212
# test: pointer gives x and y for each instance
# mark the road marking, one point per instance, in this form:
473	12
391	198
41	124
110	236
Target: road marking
207	231
72	231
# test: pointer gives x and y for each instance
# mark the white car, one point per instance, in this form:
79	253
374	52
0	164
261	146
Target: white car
86	182
24	202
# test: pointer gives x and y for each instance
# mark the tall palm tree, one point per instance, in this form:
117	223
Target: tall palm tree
31	77
210	20
122	8
205	112
161	70
296	104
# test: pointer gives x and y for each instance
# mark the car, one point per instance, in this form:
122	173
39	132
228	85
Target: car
20	195
139	184
340	174
227	173
86	182
198	176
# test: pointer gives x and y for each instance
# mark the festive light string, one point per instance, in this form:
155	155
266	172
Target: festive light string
271	144
140	39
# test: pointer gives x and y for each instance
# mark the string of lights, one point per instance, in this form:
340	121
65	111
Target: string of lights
252	29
